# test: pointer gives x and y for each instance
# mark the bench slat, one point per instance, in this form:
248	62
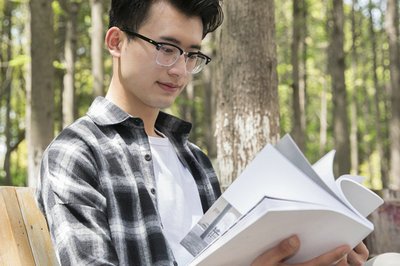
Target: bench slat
14	244
36	227
8	252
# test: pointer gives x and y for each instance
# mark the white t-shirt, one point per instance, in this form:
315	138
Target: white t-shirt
178	197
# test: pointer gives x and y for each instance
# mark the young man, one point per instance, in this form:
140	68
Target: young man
122	185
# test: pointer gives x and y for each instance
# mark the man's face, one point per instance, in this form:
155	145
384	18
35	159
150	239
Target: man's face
145	83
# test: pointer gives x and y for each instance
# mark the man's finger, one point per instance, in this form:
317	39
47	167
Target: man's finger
355	259
362	249
358	255
343	262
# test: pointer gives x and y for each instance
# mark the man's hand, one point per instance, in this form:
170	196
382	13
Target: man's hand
287	247
357	257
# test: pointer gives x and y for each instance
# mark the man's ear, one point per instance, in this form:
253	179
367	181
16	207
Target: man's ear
114	39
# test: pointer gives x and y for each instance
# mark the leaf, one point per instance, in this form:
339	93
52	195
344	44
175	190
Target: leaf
19	60
58	65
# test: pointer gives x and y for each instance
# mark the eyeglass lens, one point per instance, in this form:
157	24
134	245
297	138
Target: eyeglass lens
167	55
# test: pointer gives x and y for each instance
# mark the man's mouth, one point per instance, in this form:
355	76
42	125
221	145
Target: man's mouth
170	87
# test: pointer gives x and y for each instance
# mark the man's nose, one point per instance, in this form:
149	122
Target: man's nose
179	68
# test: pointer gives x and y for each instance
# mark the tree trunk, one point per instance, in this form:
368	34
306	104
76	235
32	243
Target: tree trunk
366	111
97	47
377	93
386	110
303	75
5	33
210	99
68	96
7	90
341	129
298	73
7	157
323	131
16	166
40	92
392	29
248	108
354	102
187	107
384	53
60	53
383	95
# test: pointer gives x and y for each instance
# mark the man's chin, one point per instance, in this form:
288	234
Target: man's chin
164	104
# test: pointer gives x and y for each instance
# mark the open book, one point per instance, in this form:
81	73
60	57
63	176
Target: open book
280	194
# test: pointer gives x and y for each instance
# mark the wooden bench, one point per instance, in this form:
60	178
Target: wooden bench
24	236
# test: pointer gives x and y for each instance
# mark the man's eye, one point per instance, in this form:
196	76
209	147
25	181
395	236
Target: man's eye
168	50
193	57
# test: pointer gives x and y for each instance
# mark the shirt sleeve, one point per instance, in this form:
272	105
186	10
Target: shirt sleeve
69	194
214	191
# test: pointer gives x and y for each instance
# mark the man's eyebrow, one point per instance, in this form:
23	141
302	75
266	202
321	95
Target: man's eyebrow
177	42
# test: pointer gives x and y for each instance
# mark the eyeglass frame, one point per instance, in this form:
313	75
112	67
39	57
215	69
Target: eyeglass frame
158	46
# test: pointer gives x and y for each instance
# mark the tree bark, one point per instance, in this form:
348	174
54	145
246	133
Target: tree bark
7	90
248	108
7	157
97	46
366	112
392	29
298	74
341	128
210	99
303	75
323	131
40	91
187	107
377	100
386	98
68	96
354	102
386	88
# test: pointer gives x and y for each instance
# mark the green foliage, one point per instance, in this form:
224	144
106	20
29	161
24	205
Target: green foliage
19	61
359	81
57	10
19	165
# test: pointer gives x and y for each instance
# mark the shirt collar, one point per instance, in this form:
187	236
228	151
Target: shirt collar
168	123
105	113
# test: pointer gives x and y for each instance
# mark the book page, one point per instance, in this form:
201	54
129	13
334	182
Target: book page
291	151
273	175
272	220
361	198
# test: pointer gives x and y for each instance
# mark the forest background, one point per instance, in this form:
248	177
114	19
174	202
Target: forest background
325	71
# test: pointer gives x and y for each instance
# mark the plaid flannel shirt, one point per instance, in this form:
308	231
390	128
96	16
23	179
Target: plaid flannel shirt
97	188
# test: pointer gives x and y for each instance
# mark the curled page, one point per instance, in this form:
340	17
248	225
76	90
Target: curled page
361	198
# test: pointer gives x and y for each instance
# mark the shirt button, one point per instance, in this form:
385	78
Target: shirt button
147	157
153	191
175	263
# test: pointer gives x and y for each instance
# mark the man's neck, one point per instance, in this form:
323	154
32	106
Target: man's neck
147	114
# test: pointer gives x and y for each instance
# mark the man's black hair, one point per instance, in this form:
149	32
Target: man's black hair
130	14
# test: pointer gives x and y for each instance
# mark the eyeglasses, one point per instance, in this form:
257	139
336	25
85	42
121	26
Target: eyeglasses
168	54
